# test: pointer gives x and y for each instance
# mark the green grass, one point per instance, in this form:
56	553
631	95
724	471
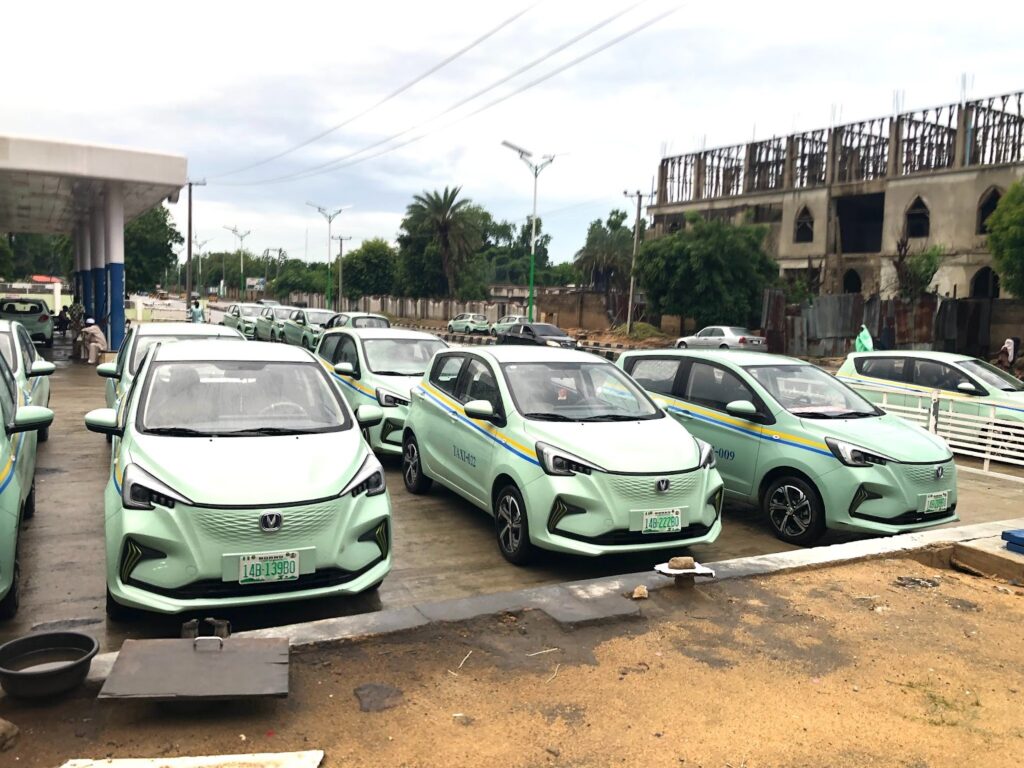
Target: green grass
640	332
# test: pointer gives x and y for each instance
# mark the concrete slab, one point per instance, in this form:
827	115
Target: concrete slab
990	557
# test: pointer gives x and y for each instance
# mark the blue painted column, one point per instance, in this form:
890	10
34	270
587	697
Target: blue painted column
85	275
114	210
99	271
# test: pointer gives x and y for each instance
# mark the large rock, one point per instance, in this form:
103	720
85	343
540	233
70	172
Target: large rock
8	735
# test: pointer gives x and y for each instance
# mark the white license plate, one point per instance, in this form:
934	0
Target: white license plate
268	566
936	502
662	521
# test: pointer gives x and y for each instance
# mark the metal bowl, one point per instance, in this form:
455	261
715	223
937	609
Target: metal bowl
46	663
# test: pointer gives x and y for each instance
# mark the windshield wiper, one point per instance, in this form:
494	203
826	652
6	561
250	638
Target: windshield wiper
177	432
833	414
399	373
547	416
613	417
257	431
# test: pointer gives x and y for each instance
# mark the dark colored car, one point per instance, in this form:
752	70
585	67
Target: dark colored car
540	334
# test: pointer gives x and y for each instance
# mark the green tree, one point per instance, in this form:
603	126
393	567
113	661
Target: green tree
149	244
6	259
605	258
712	271
36	254
371	269
1006	239
448	222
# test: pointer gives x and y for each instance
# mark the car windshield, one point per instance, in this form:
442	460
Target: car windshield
543	329
281	313
234	398
370	322
143	343
809	392
250	311
994	377
400	357
319	317
14	307
576	391
7	350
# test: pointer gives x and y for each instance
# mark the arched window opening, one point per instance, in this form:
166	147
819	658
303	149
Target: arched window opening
851	281
985	284
986	208
803	227
918	219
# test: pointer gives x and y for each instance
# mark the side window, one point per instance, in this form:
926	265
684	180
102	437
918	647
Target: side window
656	375
328	347
28	349
890	368
716	332
8	399
125	352
347	351
715	387
294	315
928	373
445	374
478	383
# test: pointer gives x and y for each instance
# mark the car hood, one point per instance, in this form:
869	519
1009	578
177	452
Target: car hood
234	471
651	446
887	435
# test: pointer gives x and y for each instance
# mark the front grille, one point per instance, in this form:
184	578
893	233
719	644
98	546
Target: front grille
642	489
241	527
922	476
622	538
910	517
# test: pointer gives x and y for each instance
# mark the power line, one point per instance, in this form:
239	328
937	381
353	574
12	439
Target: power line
340	162
397	92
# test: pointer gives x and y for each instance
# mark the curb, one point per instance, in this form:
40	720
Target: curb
592	600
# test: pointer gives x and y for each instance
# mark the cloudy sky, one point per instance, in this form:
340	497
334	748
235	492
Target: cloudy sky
231	84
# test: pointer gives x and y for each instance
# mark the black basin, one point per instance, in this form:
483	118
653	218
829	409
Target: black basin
45	664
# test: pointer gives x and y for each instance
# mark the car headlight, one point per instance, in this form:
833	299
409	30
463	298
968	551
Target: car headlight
552	343
555	461
389	399
707	454
853	455
140	490
369	479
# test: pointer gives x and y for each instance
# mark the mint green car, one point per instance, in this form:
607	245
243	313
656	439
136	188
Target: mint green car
380	366
804	447
971	386
121	371
503	324
17	479
468	322
269	322
563	449
33	314
190	526
242	318
304	326
31	371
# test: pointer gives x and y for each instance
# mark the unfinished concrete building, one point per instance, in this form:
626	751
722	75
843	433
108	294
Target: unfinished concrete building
840	201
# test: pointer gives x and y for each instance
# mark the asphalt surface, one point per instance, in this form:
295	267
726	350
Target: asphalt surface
444	547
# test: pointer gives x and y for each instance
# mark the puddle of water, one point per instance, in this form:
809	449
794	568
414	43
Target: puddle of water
45	660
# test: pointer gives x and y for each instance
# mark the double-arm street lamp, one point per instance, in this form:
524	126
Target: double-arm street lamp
330	215
241	259
535	169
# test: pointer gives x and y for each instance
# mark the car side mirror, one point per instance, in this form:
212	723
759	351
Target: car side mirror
479	409
104	421
30	418
967	388
107	370
41	368
742	408
345	369
369	416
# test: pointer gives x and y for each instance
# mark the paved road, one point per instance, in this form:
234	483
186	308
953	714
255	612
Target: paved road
444	548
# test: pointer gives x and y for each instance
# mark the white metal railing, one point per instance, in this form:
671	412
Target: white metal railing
982	435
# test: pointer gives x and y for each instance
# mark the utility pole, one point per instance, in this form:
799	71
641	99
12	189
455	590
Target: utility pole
535	169
341	240
330	216
199	245
188	256
241	256
636	248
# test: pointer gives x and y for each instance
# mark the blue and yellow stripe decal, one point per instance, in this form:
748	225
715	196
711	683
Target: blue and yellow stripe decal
118	474
352	384
917	389
745	427
445	403
7	473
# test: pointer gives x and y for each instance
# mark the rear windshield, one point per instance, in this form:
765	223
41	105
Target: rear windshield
543	329
143	343
739	331
249	311
480	318
370	322
14	307
281	313
319	318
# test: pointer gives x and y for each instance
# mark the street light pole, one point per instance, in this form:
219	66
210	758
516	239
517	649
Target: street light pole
535	169
341	240
636	247
199	245
188	256
330	216
241	256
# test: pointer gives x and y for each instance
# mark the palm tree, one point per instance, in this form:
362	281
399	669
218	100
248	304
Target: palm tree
439	216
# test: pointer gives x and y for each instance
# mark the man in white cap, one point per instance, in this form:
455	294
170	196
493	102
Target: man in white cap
93	341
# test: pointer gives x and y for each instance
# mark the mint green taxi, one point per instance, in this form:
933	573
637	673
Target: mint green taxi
190	526
242	318
269	322
468	322
304	326
31	371
563	449
804	447
380	366
504	324
18	442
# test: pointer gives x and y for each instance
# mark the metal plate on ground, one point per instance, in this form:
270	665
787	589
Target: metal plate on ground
205	669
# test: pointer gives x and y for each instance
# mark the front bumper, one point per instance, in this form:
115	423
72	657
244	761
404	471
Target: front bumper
889	498
386	437
186	558
602	513
249	331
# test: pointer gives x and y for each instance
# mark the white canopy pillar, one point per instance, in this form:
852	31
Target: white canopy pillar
113	209
98	310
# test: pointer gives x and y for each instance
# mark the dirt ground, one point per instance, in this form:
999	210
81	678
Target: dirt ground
883	663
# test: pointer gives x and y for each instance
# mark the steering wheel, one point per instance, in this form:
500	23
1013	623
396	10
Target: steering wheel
283	407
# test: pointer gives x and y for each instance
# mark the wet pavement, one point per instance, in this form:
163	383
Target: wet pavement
444	547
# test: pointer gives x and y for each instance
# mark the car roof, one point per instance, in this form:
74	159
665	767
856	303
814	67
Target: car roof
380	333
249	304
515	353
362	314
7	325
735	357
942	357
232	350
184	329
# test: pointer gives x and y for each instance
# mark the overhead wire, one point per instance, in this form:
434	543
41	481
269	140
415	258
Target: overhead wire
394	94
347	160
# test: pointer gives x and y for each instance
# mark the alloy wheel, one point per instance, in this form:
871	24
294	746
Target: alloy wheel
510	523
410	464
790	510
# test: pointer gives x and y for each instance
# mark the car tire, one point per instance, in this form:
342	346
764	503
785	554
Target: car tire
48	343
681	345
493	332
9	605
117	612
723	346
512	526
412	467
110	438
451	329
794	510
44	434
29	510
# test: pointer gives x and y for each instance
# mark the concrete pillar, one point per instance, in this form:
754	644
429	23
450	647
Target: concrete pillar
113	209
85	276
76	264
894	166
98	271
